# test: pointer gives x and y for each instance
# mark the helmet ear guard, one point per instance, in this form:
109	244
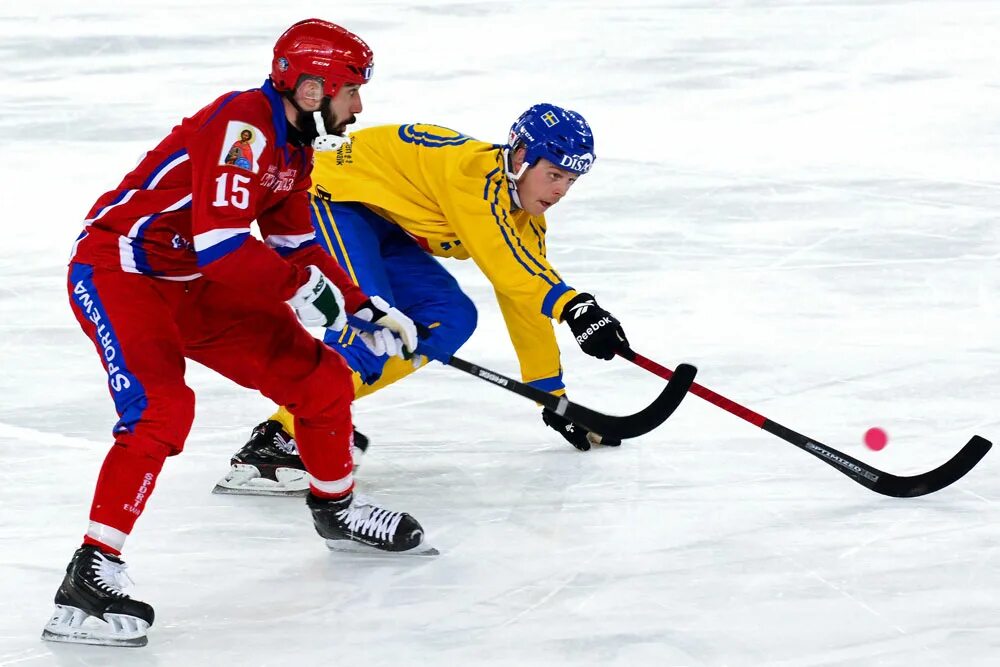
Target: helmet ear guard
315	94
515	144
561	136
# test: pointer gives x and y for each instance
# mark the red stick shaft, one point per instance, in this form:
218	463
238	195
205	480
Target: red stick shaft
700	391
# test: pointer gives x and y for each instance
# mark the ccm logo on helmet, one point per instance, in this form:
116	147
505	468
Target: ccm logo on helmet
577	163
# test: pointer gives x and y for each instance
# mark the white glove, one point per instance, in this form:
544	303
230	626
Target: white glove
378	311
319	303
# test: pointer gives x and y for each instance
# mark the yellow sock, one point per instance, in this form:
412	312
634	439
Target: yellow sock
395	369
286	419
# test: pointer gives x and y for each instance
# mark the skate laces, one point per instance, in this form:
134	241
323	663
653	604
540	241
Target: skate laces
109	575
371	520
287	445
280	438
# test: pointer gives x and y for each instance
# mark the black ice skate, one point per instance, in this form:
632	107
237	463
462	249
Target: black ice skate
269	464
354	524
90	605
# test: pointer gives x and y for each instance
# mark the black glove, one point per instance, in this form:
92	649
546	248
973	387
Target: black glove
597	331
575	434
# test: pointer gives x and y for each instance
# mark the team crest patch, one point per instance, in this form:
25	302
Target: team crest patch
242	146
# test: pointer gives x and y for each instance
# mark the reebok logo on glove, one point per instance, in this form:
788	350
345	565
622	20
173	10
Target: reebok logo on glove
597	332
579	309
582	338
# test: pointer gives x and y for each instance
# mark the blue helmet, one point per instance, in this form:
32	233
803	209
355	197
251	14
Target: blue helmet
559	135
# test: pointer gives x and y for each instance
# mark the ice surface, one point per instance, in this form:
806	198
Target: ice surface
800	197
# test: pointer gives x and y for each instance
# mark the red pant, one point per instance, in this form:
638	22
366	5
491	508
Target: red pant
143	328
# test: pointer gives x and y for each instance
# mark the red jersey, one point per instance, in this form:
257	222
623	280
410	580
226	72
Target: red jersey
185	211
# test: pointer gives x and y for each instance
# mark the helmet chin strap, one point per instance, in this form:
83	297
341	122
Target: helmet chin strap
325	141
322	138
512	178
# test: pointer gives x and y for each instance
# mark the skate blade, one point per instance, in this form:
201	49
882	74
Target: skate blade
258	490
351	547
67	625
245	480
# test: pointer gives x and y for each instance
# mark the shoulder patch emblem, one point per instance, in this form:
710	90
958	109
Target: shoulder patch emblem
242	146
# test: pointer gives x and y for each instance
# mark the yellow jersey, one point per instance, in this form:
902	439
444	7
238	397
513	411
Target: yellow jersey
451	194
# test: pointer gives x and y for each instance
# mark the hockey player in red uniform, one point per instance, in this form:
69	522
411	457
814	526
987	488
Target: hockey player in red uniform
166	269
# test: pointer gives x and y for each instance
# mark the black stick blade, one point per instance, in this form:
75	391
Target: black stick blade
644	421
934	480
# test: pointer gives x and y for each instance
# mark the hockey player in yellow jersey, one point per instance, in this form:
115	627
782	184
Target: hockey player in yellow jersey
395	197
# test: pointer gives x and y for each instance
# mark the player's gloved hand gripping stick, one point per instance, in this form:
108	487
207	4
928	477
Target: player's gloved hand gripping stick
862	473
628	426
575	434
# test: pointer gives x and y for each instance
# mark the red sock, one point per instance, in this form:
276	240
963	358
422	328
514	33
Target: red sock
126	481
325	448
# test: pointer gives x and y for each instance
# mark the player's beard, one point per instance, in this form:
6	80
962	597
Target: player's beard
339	127
307	121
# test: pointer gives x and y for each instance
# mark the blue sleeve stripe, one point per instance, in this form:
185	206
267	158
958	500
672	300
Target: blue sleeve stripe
229	98
138	244
123	196
549	302
505	228
500	225
541	245
139	248
285	251
486	188
548	384
508	232
541	267
506	238
221	249
167	164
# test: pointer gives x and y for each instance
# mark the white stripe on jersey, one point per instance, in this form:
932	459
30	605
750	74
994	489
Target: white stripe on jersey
181	159
125	255
126	252
104	211
292	241
214	237
167	168
183	279
76	244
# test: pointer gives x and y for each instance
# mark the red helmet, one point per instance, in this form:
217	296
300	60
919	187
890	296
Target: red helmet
319	48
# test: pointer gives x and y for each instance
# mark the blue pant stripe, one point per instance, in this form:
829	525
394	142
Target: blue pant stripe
126	390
